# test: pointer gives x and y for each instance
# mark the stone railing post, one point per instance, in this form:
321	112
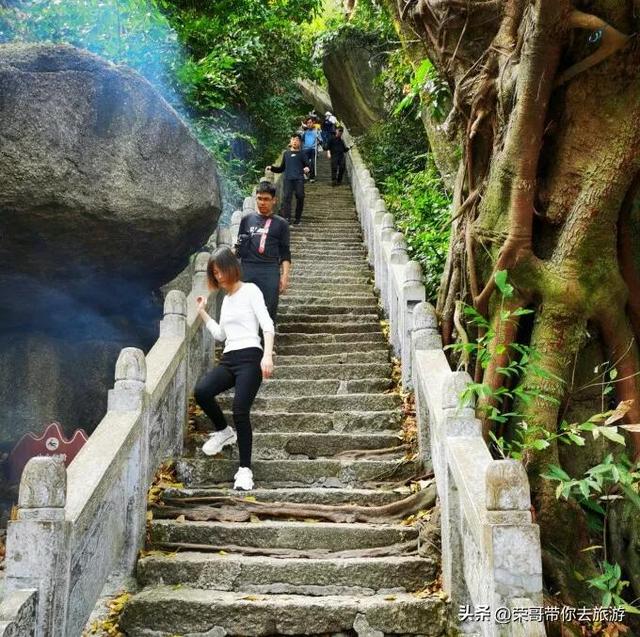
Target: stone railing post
381	270
128	394
425	334
424	337
513	541
413	292
397	256
174	323
456	421
200	286
130	379
236	218
225	237
37	551
248	205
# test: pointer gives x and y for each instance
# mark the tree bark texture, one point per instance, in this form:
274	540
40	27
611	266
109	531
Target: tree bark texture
546	109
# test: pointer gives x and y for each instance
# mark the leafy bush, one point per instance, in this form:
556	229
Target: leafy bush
421	210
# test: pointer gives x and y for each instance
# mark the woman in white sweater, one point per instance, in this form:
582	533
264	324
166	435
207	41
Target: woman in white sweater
243	364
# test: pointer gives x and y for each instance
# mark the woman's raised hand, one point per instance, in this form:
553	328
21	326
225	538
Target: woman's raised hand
266	365
201	302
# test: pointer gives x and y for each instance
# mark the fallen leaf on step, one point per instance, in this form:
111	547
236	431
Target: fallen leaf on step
254	518
181	518
249	498
390	598
222	553
251	598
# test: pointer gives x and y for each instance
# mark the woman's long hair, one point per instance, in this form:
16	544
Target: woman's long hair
227	263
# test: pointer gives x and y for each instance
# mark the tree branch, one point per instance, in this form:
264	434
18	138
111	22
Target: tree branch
612	41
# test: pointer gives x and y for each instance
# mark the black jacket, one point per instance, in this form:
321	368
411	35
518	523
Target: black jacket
276	249
337	147
292	164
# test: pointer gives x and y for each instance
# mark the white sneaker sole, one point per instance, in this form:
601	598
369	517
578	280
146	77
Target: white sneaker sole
237	487
213	451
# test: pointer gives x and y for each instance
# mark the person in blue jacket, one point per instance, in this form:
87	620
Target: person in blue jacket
311	138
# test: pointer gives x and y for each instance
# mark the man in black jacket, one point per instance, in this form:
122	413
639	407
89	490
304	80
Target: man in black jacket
337	150
267	258
294	165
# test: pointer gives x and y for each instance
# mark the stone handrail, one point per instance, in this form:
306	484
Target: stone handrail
491	556
78	527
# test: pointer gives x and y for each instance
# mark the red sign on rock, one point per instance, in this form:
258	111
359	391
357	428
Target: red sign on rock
52	442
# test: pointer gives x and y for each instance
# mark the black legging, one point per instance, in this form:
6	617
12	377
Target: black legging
239	368
293	186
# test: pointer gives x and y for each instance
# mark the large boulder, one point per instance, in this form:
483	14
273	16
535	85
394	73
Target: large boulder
351	69
97	171
104	195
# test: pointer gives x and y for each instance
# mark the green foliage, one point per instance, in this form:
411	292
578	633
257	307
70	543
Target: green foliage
131	32
425	83
499	404
612	585
368	26
421	207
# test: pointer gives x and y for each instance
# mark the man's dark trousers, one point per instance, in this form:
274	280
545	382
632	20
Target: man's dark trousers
337	169
292	186
310	155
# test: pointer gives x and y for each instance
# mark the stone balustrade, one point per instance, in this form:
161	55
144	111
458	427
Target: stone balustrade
491	556
78	527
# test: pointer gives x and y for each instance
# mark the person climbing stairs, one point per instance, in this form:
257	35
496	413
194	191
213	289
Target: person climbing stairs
321	546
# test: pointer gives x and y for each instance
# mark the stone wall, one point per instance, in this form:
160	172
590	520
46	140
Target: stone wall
491	556
77	527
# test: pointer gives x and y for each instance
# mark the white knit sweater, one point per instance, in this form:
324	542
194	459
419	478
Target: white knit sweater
242	313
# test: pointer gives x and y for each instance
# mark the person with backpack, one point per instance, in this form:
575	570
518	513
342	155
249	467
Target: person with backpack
264	248
244	363
337	152
310	142
295	165
328	128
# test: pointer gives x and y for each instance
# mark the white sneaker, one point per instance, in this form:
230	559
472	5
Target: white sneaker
218	440
243	479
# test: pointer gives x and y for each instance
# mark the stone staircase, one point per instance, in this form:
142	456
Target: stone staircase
269	575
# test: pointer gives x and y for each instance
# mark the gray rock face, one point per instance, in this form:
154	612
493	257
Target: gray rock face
97	171
354	94
104	195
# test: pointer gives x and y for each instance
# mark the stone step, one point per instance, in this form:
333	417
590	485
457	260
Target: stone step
301	278
346	338
296	473
381	356
324	422
303	323
304	298
335	241
321	403
329	309
341	255
168	611
288	388
294	576
288	309
281	535
313	349
300	444
322	287
310	495
340	371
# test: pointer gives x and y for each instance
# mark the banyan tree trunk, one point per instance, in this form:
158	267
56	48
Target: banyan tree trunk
546	111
